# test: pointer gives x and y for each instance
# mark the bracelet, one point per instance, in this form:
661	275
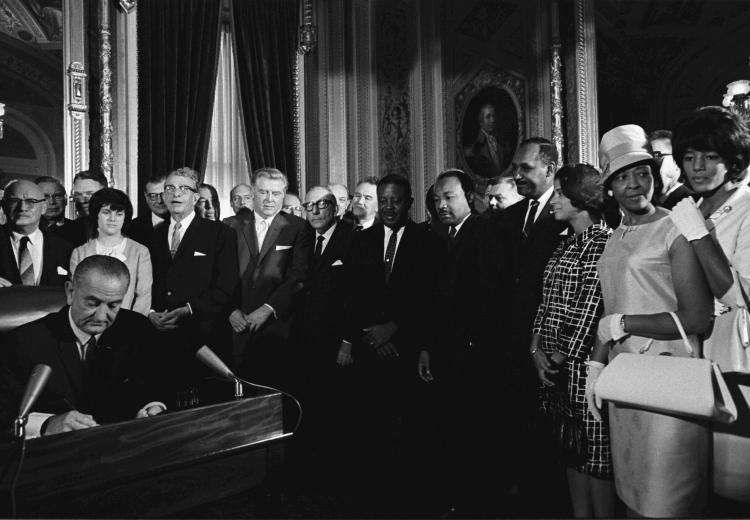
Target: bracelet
533	351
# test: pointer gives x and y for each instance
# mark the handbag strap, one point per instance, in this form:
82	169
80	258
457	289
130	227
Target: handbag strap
685	339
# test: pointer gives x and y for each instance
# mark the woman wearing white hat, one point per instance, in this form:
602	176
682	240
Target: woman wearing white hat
713	147
648	270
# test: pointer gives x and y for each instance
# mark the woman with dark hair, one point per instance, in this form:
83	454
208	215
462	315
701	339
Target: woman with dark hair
109	210
713	148
649	273
564	331
208	203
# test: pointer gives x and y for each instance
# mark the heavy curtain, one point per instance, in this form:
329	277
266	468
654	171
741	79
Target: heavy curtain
265	34
226	165
178	51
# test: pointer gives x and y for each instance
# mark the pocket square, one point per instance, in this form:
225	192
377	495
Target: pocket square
198	253
282	248
337	262
61	271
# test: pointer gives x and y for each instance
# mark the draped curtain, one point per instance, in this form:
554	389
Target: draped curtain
265	34
227	164
178	51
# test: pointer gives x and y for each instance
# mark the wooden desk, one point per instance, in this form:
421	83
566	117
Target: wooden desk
147	467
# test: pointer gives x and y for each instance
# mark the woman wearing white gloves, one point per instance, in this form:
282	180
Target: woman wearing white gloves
647	270
713	147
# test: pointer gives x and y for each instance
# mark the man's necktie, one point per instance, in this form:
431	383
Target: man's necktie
533	205
318	248
25	265
261	228
452	233
390	253
88	351
175	243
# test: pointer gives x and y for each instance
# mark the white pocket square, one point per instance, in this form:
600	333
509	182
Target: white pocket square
198	253
337	262
61	271
282	248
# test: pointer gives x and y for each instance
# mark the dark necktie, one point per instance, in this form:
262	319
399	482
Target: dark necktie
452	233
88	352
318	248
533	204
390	253
25	265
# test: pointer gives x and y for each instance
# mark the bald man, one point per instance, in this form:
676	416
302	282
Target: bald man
29	256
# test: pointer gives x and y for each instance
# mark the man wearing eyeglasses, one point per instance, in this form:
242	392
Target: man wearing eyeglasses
27	255
673	190
141	227
195	274
273	250
292	205
54	221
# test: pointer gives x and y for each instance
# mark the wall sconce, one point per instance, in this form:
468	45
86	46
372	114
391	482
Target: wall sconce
2	115
737	98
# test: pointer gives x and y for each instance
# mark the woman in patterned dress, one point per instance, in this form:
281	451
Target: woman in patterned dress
648	270
564	331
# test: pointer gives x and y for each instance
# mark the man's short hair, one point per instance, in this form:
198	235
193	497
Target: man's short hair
327	189
498	181
398	180
269	173
156	179
48	178
660	134
102	264
187	172
547	150
231	192
93	175
368	180
464	178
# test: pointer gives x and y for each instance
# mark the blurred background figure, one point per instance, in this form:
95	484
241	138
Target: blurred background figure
673	190
240	197
208	204
365	203
292	205
54	221
343	199
501	193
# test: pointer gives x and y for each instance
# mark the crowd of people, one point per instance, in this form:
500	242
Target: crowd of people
451	362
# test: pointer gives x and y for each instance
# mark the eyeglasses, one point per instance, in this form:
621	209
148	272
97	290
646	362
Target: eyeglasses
55	196
14	202
182	190
321	205
81	195
154	197
240	198
659	155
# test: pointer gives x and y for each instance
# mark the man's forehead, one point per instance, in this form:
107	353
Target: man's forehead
242	190
527	154
316	194
86	183
494	189
180	180
24	189
661	145
51	187
267	183
448	185
365	187
154	187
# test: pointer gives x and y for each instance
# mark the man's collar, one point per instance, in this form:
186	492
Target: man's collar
329	232
185	222
34	237
80	335
367	223
544	198
268	220
155	219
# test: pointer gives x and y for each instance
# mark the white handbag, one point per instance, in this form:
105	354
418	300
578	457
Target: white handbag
685	386
729	346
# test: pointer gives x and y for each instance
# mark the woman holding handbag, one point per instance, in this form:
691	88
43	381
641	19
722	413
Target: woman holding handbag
648	270
713	147
563	335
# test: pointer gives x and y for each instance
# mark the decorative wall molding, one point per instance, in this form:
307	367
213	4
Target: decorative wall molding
76	119
584	148
127	6
125	102
556	81
298	115
105	90
540	119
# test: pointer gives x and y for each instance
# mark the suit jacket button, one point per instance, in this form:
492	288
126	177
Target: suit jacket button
169	293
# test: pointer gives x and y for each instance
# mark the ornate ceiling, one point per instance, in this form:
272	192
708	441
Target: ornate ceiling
32	21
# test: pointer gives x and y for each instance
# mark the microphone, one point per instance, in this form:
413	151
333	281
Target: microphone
37	381
209	358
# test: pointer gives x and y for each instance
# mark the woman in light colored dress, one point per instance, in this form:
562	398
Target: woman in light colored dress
647	270
713	147
109	210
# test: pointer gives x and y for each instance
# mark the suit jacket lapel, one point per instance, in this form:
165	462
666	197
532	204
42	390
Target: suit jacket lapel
9	259
251	240
403	250
48	265
272	235
69	357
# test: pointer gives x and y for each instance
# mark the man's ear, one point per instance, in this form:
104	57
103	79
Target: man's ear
69	292
551	169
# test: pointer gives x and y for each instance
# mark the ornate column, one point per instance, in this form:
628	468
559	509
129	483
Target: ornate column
556	81
76	117
105	90
125	100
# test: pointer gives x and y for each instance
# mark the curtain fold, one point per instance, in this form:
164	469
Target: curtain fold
178	51
265	34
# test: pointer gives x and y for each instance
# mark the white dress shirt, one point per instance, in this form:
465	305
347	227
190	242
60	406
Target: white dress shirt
387	237
542	202
260	231
36	247
155	219
326	237
185	223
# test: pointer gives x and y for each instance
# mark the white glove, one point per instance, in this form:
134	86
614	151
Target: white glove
610	328
689	219
594	401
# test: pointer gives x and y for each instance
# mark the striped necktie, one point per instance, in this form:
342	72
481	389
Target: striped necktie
175	243
25	265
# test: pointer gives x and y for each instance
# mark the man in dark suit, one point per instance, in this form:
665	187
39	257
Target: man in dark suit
27	255
195	275
54	221
273	250
141	227
100	356
534	235
390	273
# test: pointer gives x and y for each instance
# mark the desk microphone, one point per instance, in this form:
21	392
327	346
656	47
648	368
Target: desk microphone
209	358
37	381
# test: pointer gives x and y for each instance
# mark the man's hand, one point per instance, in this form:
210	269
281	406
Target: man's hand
257	318
344	357
176	315
376	335
386	350
543	367
4	282
237	321
423	367
69	421
158	320
151	411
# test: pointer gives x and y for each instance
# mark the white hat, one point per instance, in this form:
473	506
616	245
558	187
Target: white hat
622	147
